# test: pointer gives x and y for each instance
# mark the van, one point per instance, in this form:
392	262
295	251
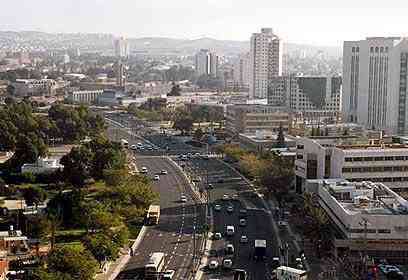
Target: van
230	230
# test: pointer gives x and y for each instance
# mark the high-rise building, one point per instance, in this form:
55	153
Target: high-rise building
241	70
121	47
375	83
120	75
265	62
206	63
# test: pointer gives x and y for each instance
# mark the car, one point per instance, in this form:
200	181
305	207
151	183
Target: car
155	148
213	265
230	230
213	253
243	212
197	155
156	177
168	274
189	155
206	157
217	207
243	239
197	180
163	172
144	170
183	198
150	149
227	263
217	236
225	197
242	222
183	157
282	223
133	147
275	262
230	209
229	249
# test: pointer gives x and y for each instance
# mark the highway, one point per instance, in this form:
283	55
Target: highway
226	181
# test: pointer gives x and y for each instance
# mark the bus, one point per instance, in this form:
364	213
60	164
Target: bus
153	215
124	143
154	266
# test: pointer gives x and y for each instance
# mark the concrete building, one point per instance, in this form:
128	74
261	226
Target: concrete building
241	71
120	75
42	165
84	96
265	62
265	141
315	98
111	98
375	83
370	217
32	87
206	63
121	47
246	118
327	157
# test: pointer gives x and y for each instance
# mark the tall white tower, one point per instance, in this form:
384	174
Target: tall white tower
121	47
206	63
265	62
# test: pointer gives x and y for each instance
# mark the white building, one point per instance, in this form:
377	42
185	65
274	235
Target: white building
313	97
369	216
324	158
206	63
42	165
84	96
375	82
121	47
32	87
241	70
265	62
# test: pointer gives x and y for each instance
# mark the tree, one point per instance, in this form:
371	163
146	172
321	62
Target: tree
281	138
184	124
175	90
10	90
98	218
43	274
74	261
102	247
249	164
34	195
77	165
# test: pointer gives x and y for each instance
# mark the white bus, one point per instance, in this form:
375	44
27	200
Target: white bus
153	215
154	266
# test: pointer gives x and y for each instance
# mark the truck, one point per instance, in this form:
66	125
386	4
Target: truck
153	215
285	272
260	249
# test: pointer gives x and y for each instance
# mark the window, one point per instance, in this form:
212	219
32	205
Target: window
384	231
379	159
371	49
368	159
348	159
300	147
358	159
389	158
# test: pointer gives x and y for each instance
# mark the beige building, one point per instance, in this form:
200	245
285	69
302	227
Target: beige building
84	96
32	87
248	118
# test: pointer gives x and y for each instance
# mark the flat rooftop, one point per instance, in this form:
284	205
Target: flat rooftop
366	198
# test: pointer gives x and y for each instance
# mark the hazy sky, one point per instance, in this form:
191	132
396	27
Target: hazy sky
323	22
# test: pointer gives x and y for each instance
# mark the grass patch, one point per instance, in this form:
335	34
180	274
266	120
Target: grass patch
71	236
134	229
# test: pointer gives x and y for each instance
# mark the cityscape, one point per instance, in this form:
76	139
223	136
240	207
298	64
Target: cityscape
156	157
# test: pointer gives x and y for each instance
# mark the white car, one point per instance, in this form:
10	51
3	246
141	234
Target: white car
282	223
144	169
217	207
227	263
225	197
230	209
156	177
229	249
244	239
213	265
133	147
168	274
183	198
163	172
218	235
242	222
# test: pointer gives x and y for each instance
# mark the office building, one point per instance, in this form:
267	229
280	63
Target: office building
206	63
370	218
315	98
241	71
32	87
250	118
121	48
84	96
265	62
120	75
375	83
351	159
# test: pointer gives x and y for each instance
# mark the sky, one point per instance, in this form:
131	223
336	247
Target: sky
318	22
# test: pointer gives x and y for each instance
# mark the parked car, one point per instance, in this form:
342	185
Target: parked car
168	274
213	265
217	207
244	239
227	263
156	177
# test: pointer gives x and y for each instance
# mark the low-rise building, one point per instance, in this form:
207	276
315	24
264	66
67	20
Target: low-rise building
264	141
249	118
42	165
324	158
370	217
84	96
32	87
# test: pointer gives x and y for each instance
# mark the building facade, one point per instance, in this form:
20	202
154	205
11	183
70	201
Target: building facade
326	158
84	96
370	217
265	62
32	87
206	63
241	71
121	47
247	118
375	83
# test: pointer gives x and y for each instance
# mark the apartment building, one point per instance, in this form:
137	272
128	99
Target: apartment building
370	217
241	71
206	63
265	62
121	46
375	73
249	118
326	158
315	98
